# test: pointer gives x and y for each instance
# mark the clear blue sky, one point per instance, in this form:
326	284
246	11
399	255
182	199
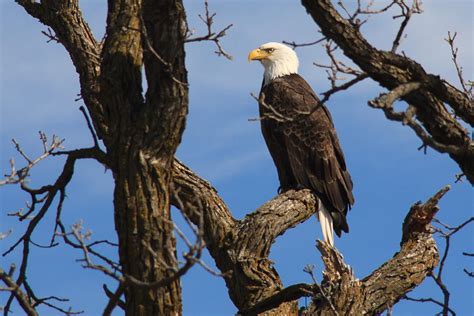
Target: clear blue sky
39	85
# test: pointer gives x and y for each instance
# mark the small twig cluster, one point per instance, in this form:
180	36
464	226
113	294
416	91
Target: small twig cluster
320	291
51	36
20	175
466	86
446	232
272	114
208	20
41	200
337	67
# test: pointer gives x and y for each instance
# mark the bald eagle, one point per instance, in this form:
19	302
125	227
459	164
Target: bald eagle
301	138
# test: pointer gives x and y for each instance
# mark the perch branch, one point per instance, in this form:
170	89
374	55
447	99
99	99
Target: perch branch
239	247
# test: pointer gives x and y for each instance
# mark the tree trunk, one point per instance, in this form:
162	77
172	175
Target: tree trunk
145	230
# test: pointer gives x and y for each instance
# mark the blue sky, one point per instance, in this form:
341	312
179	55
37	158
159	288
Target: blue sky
39	85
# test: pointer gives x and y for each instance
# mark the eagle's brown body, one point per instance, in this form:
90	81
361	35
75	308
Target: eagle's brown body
302	141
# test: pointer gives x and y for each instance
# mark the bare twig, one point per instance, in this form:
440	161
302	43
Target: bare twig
208	20
406	13
51	36
425	300
51	192
446	232
295	45
109	294
89	125
19	176
273	114
310	270
454	53
327	94
46	301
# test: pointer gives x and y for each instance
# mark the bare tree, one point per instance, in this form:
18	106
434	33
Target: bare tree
136	137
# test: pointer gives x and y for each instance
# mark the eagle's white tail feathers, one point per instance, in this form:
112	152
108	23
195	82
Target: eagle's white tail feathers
326	224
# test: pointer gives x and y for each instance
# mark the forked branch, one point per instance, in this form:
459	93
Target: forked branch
212	36
417	257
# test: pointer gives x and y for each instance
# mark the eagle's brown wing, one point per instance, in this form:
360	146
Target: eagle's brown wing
306	144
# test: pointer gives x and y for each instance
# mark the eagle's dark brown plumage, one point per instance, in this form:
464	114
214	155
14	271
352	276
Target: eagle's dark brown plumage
302	141
301	138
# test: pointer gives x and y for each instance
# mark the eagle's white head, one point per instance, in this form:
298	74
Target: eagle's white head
278	59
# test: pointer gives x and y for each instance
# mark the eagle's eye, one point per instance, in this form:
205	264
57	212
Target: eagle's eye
270	50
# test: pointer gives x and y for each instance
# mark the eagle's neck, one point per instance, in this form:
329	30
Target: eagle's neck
279	69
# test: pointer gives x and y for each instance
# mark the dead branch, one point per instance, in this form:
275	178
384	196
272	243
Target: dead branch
295	45
50	35
389	283
46	301
430	300
208	20
446	233
454	53
20	175
51	192
406	13
264	225
327	94
272	113
385	102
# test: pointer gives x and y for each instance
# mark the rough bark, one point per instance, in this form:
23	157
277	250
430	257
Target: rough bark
391	70
141	134
383	288
241	248
145	136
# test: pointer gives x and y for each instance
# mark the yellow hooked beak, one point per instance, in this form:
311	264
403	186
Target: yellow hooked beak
257	54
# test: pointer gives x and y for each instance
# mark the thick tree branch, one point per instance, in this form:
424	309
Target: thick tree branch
417	257
18	293
241	248
385	102
288	294
392	70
